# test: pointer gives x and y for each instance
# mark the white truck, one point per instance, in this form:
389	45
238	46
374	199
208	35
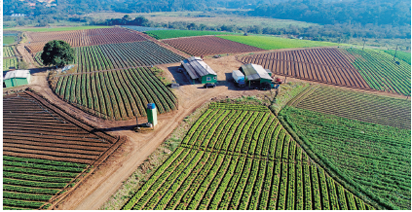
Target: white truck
239	78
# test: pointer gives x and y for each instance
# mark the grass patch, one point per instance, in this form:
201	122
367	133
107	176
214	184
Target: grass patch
269	43
7	40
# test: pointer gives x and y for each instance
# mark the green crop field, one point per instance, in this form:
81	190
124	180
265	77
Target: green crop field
11	62
376	159
8	40
29	183
268	43
166	34
364	107
240	157
380	71
9	51
405	56
116	94
56	29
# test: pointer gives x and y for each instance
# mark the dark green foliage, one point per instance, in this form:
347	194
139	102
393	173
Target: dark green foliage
57	52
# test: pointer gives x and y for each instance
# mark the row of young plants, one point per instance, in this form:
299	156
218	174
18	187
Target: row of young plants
29	183
9	51
328	135
10	62
117	95
381	72
203	173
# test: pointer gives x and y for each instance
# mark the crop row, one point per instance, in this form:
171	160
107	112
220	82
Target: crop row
10	62
359	106
9	51
117	94
381	72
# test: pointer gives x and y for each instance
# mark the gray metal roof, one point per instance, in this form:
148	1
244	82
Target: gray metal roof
17	74
196	67
254	72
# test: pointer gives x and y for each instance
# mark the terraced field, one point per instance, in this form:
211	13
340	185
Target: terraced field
46	152
364	107
374	158
116	94
209	45
240	157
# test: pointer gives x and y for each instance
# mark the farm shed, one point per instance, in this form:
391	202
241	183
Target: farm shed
256	73
198	69
17	78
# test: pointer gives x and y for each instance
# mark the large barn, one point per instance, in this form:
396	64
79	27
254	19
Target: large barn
256	73
199	70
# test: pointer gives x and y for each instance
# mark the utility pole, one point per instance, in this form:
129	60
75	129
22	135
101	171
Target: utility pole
396	50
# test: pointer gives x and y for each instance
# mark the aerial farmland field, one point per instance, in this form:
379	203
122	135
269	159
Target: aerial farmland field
87	37
167	34
374	158
45	152
116	94
240	157
370	108
209	45
270	42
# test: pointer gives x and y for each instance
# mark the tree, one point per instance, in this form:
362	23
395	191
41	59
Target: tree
57	52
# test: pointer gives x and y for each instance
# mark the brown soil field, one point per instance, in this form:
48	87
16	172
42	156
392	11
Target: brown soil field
209	45
87	37
325	65
32	128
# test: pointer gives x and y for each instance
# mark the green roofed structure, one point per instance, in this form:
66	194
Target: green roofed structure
198	69
17	78
256	73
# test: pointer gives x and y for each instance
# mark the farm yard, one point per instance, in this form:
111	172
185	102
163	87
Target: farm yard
240	157
87	37
209	45
45	151
370	108
375	158
117	95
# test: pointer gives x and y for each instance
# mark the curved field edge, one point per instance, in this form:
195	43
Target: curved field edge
321	157
270	43
184	149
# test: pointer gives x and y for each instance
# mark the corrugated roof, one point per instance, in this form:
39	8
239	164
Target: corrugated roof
17	74
238	73
254	72
196	67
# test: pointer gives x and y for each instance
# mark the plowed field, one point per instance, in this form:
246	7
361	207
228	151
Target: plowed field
83	37
32	129
326	65
209	45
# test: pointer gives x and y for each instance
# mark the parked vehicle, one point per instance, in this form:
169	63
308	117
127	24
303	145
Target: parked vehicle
209	85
